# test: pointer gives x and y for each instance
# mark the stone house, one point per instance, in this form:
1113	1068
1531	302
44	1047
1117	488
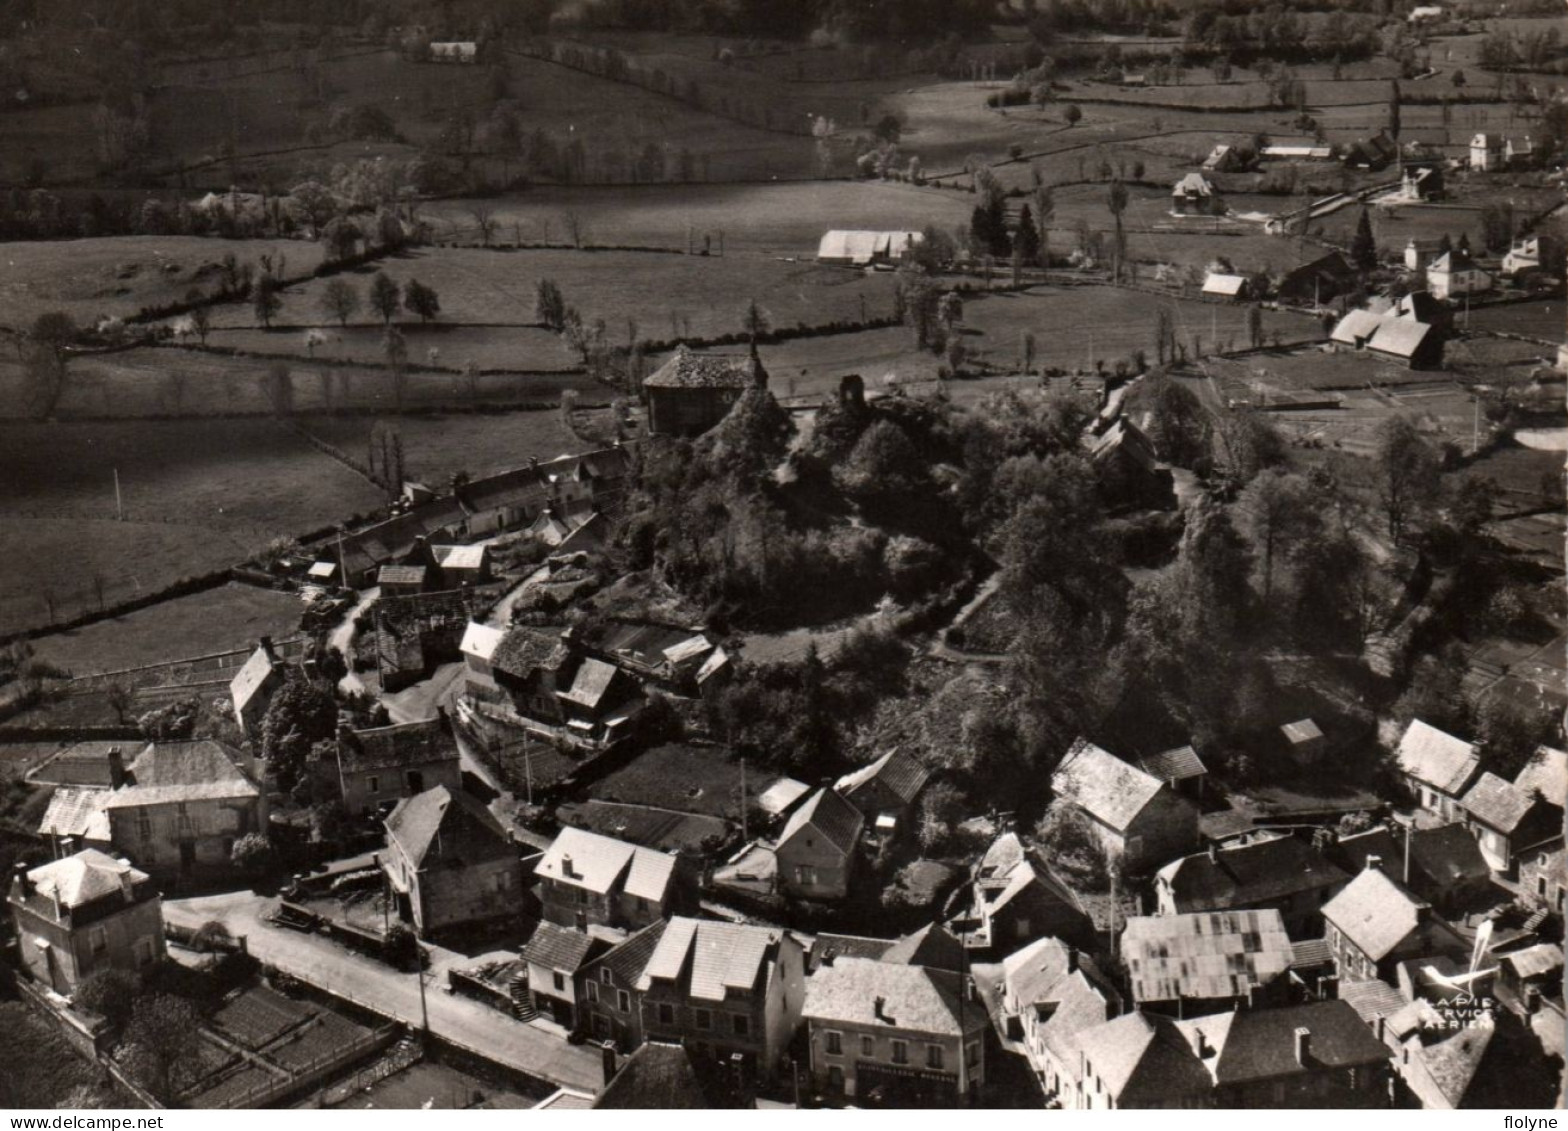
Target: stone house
1138	1061
609	1006
1509	822
449	863
1050	992
555	957
904	1036
1543	879
816	850
1283	873
1437	768
886	790
253	686
1442	865
1015	899
585	879
182	808
732	992
1140	820
1374	924
374	767
692	392
81	914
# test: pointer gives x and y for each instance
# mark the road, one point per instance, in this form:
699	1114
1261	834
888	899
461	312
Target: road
342	639
459	1020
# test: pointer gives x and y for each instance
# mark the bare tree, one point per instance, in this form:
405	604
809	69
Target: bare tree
99	584
483	215
576	230
120	699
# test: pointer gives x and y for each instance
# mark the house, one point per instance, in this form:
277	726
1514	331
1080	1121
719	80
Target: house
75	819
692	392
1419	183
932	946
402	580
1223	159
608	1005
1423	12
1053	1012
886	790
414	634
1140	820
782	796
840	248
1420	253
477	648
816	850
1374	924
1203	962
1507	821
1454	274
1315	1055
1138	1060
555	957
1437	768
670	655
551	686
370	769
663	1076
81	914
1304	742
1016	899
1195	195
1442	865
1318	281
1297	153
1519	154
182	808
449	863
457	566
889	1034
1035	978
731	991
1543	879
456	52
586	879
1546	773
1416	345
1486	152
1235	288
253	686
1447	1067
1373	153
1532	973
1283	873
85	765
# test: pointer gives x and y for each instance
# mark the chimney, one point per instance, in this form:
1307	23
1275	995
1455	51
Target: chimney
1303	1045
23	883
608	1059
1072	960
265	645
128	886
566	867
1214	853
116	768
880	1008
1382	1029
68	846
1374	863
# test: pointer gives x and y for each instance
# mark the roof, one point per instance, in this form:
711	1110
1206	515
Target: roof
716	957
1498	803
563	1099
902	774
84	763
1399	336
1102	785
1248	875
401	575
861	246
1448	855
590	683
1175	765
557	948
1374	913
932	946
1193	184
1355	327
687	370
1547	774
1453	1064
481	641
1143	1060
1080	1003
169	772
829	948
323	570
1371	999
76	812
781	795
1260	1044
1215	954
1535	961
660	1077
252	676
1310	952
1454	260
1437	759
1302	730
445	823
78	880
870	994
460	557
600	864
525	649
835	819
1218	284
403	744
1035	973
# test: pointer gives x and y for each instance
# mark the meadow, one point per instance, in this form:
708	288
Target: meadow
436	447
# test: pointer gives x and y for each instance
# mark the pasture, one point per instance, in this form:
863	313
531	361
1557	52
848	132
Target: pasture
436	447
1543	319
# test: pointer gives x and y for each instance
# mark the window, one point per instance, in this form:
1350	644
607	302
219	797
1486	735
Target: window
742	1025
605	975
868	1047
933	1056
144	824
835	1043
1022	928
374	784
900	1052
593	991
666	1014
805	875
99	940
623	1001
704	1019
972	1054
559	979
143	951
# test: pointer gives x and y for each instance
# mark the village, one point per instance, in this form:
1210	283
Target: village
1050	597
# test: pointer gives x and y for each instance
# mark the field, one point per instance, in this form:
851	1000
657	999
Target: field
692	779
436	447
1546	319
662	829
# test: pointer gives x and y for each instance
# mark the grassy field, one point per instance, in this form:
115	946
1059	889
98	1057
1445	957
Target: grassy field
197	496
231	616
1543	319
434	447
693	779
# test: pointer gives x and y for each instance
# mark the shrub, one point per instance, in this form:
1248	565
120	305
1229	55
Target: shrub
109	993
252	854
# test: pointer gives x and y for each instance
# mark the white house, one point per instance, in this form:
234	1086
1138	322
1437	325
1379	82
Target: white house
1454	274
1486	152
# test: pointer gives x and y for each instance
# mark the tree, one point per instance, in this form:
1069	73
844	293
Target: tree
1407	474
120	698
1393	110
1363	248
315	202
301	713
1116	201
1277	513
342	236
44	357
483	215
576	229
278	386
339	300
108	992
755	322
884	465
421	300
395	347
549	305
1255	325
385	297
1072	115
252	854
201	320
1458	79
1026	241
267	299
214	935
1509	733
163	1043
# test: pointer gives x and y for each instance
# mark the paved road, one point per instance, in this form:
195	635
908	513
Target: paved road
462	1021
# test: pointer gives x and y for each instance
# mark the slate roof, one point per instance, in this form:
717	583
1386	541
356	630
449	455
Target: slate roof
481	641
1453	1064
85	763
403	744
80	879
1454	260
1248	875
557	948
590	683
688	370
1437	759
1447	855
1080	1005
1111	791
1536	961
1498	803
627	960
525	649
1035	973
901	773
715	956
1310	952
169	772
1356	327
1300	731
835	819
1371	999
827	947
452	823
932	946
1175	765
1220	284
1260	1044
1374	913
600	864
1193	184
1399	337
914	998
401	575
660	1077
76	812
1143	1060
1205	955
460	557
781	795
1547	773
253	674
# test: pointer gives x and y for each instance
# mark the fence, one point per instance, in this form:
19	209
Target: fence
311	1072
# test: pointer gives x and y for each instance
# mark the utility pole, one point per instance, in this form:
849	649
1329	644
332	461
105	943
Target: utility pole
1475	426
1407	853
528	767
743	833
119	506
419	972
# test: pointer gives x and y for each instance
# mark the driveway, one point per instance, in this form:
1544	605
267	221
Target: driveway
465	1023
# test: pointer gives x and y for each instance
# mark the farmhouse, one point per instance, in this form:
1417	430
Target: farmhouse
81	914
816	850
1016	899
1437	768
1534	253
1283	873
413	635
1486	152
449	863
1195	195
1454	274
1223	159
1374	924
609	1007
1372	153
885	790
253	686
692	392
1138	1061
1319	281
1507	821
1139	819
587	879
1205	962
370	769
841	248
1398	337
457	566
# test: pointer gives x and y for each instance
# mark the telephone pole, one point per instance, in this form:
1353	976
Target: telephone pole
119	506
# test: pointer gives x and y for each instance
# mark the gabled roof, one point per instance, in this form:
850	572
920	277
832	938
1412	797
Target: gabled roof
252	676
869	994
460	557
1356	327
1216	283
1036	973
715	957
557	948
1204	955
834	819
932	946
481	641
169	772
1448	855
1144	1060
1300	731
1399	337
860	246
827	948
662	1077
78	880
1437	759
1371	999
1103	786
1535	961
85	763
1260	1044
902	774
398	746
1454	260
688	370
1006	873
600	864
590	683
781	795
627	960
1080	1004
401	575
1175	765
1374	913
447	824
1452	1064
1248	875
76	812
1547	774
1193	184
1498	803
525	649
